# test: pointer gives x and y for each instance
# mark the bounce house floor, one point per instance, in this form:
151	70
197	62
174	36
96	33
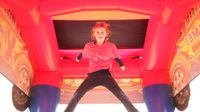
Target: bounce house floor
7	106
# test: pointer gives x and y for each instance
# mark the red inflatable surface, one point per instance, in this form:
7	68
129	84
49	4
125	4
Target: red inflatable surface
147	63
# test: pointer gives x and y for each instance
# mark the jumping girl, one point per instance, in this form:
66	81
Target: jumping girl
101	53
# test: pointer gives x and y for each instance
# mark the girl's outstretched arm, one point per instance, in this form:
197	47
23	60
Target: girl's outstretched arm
121	64
79	57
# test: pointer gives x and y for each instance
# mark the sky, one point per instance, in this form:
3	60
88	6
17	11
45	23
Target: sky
7	106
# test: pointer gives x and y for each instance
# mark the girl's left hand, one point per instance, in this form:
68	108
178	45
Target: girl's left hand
122	68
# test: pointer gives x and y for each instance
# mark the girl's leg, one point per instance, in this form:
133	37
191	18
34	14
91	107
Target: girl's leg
112	85
86	85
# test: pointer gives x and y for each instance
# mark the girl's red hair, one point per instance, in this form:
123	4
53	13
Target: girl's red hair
101	25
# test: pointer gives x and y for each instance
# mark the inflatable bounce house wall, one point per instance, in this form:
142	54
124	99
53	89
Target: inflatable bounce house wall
158	40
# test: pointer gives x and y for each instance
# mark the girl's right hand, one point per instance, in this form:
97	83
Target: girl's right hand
77	60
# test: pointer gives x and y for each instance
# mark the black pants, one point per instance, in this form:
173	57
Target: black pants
104	78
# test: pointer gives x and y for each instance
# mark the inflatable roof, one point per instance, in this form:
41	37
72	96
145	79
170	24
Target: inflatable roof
145	31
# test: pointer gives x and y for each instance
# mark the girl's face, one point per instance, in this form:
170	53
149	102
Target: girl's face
100	35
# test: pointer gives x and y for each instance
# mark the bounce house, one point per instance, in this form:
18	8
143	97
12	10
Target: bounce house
158	40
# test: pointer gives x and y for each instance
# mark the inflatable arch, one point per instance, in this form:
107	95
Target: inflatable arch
49	64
